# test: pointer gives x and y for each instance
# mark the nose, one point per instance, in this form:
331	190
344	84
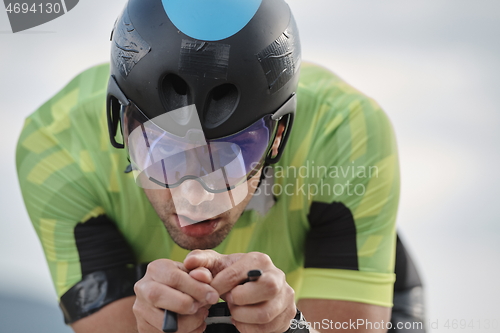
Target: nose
194	192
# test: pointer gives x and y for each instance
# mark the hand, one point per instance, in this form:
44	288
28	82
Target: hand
266	305
168	285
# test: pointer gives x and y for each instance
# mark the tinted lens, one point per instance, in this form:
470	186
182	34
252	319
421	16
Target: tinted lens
165	152
253	143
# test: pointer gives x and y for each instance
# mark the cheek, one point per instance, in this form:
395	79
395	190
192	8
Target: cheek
253	182
158	197
252	187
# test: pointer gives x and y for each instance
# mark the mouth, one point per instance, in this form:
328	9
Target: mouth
190	227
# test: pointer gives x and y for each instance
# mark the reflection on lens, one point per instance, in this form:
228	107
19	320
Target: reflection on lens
168	153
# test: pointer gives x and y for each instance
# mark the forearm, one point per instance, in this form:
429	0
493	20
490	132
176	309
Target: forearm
116	317
331	315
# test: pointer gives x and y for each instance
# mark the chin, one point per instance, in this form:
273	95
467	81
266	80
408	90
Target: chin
191	243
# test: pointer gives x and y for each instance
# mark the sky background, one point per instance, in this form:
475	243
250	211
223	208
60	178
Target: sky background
433	65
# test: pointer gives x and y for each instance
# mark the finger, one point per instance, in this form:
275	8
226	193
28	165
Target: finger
280	324
189	323
149	319
202	258
200	329
181	281
267	311
154	318
145	327
264	289
256	313
201	274
236	273
210	259
160	296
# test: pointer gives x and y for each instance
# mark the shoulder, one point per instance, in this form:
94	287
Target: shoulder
335	126
63	120
84	87
320	89
87	87
328	109
65	142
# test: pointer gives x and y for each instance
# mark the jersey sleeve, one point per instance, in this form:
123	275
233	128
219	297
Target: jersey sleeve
63	197
353	196
57	196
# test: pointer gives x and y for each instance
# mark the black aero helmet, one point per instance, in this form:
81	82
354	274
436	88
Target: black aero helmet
235	61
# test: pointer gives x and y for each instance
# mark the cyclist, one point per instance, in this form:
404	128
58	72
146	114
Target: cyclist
203	96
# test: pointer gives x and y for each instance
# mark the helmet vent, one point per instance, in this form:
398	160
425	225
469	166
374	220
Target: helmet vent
175	92
222	102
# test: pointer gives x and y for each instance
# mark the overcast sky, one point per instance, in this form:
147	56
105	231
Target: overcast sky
433	65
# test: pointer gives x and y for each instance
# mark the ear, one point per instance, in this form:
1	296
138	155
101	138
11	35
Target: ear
277	140
280	139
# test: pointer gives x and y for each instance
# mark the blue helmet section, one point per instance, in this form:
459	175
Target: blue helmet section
210	20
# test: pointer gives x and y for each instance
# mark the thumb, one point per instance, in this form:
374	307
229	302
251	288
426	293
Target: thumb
212	260
201	274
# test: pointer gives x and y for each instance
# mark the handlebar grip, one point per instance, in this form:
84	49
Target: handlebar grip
219	319
170	322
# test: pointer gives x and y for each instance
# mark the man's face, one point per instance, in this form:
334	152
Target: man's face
195	201
192	201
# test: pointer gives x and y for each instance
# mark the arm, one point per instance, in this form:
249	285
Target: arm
116	317
166	285
61	188
349	249
325	313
